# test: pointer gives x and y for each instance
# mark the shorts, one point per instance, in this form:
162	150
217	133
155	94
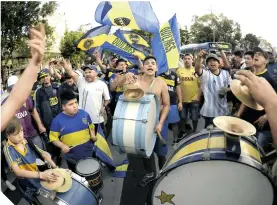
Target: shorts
160	149
192	109
173	115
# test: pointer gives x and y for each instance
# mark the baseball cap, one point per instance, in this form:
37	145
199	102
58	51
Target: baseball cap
258	49
12	80
43	73
212	55
91	67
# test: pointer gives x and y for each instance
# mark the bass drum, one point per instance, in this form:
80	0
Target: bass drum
199	171
78	194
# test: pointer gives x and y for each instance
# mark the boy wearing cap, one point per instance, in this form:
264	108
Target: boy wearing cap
214	84
21	158
92	93
259	118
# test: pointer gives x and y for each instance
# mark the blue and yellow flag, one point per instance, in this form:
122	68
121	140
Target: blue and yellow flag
103	152
166	46
93	38
132	14
123	49
131	38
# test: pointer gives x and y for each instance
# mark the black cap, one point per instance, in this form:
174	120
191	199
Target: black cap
258	49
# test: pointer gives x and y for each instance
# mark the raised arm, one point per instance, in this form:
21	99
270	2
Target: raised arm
99	62
22	89
68	69
260	90
198	63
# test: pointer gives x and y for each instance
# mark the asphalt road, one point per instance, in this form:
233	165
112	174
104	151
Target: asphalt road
113	187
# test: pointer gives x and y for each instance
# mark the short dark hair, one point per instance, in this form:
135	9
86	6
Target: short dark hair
13	127
119	61
250	53
238	53
114	57
66	96
149	57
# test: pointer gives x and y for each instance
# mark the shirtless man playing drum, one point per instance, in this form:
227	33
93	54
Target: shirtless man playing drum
149	83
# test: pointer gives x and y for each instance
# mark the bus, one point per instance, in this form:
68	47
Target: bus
209	47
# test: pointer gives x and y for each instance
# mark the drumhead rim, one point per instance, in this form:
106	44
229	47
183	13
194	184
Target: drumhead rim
163	174
193	135
85	175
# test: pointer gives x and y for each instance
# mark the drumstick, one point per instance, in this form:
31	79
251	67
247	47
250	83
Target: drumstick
161	138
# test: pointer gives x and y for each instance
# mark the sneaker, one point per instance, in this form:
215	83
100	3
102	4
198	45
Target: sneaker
181	136
188	127
10	186
147	178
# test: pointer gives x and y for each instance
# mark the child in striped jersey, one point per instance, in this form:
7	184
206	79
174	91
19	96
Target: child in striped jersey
21	158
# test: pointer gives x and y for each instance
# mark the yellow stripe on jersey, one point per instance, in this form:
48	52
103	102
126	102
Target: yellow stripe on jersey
76	138
29	167
53	136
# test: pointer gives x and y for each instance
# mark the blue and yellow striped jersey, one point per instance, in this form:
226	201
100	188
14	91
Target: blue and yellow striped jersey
71	130
25	160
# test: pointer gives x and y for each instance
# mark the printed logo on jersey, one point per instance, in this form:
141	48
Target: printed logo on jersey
85	121
53	101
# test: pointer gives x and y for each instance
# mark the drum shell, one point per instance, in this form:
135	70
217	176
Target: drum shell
132	123
191	155
78	194
94	179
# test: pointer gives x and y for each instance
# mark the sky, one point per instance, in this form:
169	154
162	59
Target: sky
257	17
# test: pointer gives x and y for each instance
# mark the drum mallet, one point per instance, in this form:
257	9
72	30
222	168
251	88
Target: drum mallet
161	138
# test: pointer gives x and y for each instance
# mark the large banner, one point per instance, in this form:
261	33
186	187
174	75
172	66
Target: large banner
132	14
166	46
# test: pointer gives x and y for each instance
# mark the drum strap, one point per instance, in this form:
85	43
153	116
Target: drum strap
151	86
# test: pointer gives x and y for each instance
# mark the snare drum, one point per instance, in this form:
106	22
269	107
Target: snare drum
200	171
134	123
91	170
79	193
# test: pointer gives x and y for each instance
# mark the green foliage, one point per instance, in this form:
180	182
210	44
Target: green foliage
210	27
249	42
16	19
68	47
185	35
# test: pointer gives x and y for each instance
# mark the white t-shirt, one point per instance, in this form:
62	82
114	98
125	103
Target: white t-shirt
91	95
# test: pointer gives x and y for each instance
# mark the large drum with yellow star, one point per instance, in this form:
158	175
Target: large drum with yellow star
200	171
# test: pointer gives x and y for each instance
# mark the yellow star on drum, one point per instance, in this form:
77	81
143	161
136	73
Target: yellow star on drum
166	198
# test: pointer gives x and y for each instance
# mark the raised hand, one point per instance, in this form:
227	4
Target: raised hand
37	44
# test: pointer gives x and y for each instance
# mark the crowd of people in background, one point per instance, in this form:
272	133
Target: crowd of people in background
64	96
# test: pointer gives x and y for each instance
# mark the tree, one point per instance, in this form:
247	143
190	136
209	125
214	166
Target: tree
210	27
185	35
16	19
249	42
68	47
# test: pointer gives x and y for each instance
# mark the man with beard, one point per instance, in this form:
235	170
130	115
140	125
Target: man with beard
92	93
149	83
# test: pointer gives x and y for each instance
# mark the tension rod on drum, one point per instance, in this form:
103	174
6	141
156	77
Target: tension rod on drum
207	153
119	118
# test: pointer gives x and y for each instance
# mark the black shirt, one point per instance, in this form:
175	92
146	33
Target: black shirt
251	115
172	81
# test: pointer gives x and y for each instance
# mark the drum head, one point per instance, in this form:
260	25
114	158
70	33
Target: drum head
150	127
213	183
87	166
